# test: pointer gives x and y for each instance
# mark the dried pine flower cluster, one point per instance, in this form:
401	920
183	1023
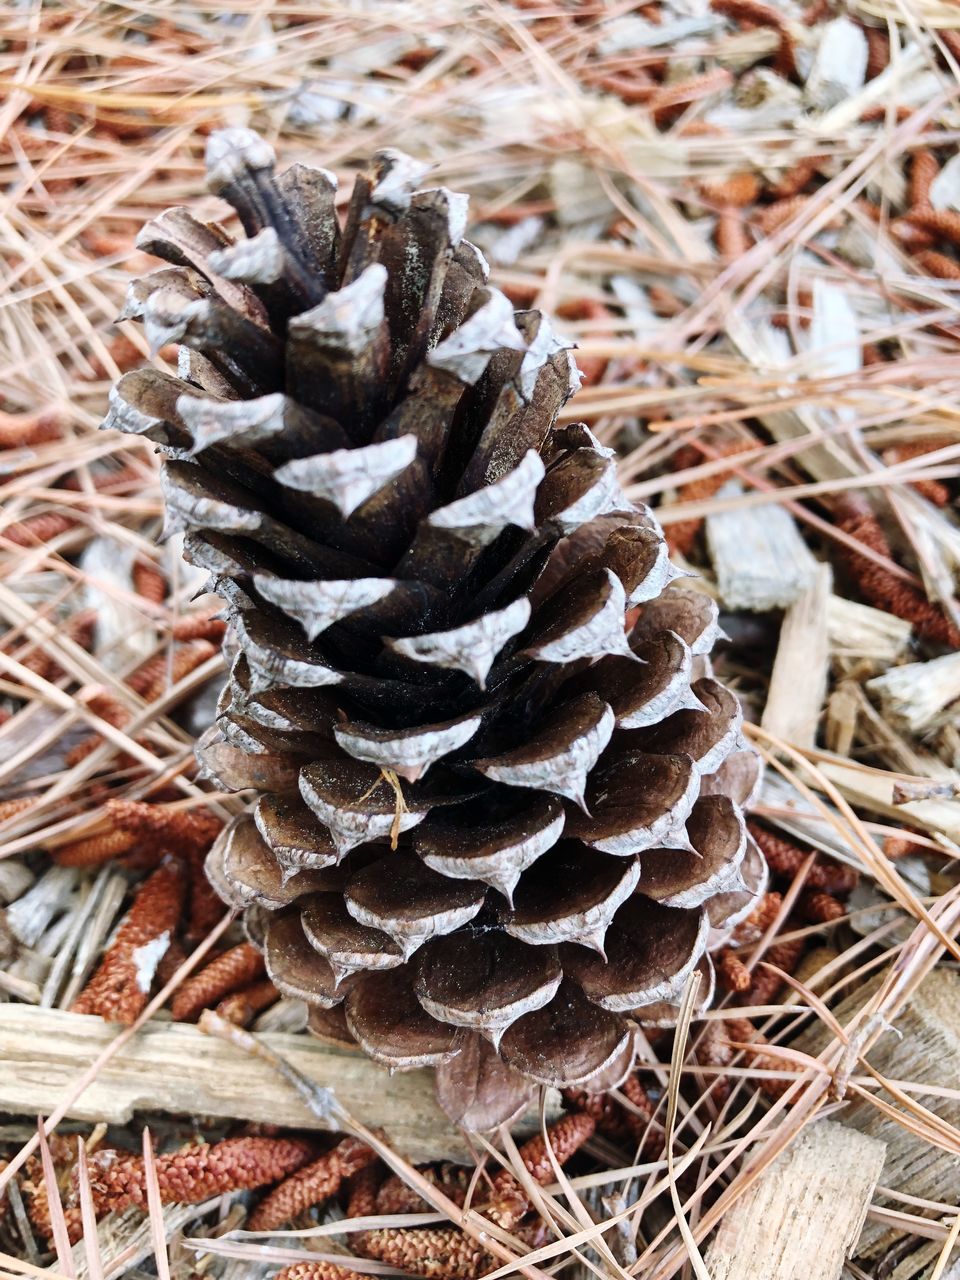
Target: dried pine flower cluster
173	906
298	1177
171	909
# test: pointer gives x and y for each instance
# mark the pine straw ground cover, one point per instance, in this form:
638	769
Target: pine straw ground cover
749	218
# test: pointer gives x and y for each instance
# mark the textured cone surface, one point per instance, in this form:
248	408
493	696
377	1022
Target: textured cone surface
494	826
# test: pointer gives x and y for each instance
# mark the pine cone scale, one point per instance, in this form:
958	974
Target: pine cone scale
494	839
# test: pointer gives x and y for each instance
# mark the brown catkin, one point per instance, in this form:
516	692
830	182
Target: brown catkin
85	747
878	51
730	234
732	973
438	1253
725	1054
752	11
605	1111
514	213
820	908
36	1195
901	846
624	1124
10	808
34	531
149	582
508	1201
635	1092
40	662
565	1138
910	237
701	129
126	355
94	850
785	63
227	973
778	214
712	1048
143	857
319	1271
934	491
785	859
107	707
671	98
766	984
199	627
447	1254
950	40
196	1173
118	479
160	673
642	1111
182	831
740	1029
793	180
799	314
80	629
883	112
124	127
923	169
887	592
362	1188
944	223
111	479
173	958
936	264
396	1196
123	351
744	1032
664	301
632	87
242	1006
23	430
311	1185
734	192
870	209
206	906
119	989
759	920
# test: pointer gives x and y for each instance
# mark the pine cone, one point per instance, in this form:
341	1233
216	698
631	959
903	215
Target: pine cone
492	824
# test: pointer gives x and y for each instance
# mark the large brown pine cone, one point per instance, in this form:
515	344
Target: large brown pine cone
493	830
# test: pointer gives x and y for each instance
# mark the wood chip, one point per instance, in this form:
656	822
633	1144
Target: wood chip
793	706
923	1046
803	1216
760	560
175	1068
